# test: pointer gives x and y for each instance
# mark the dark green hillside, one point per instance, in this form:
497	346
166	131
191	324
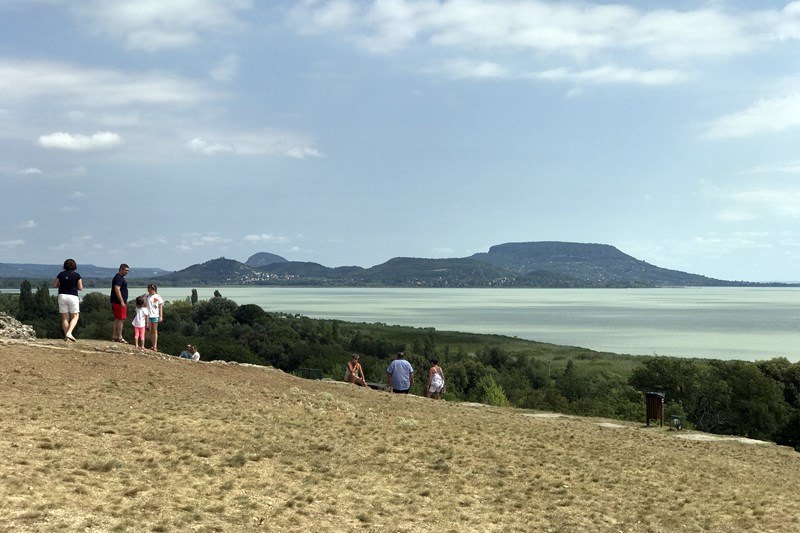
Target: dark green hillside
263	259
584	265
524	264
531	264
409	271
215	272
300	269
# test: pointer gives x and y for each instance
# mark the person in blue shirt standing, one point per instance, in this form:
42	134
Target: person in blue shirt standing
400	375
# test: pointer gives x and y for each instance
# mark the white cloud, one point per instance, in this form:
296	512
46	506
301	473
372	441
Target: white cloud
209	148
76	195
303	152
146	241
28	224
264	143
67	209
730	215
226	69
12	244
466	69
94	88
210	239
790	167
80	143
611	74
31	171
333	15
152	25
780	202
265	238
768	115
578	30
715	243
602	75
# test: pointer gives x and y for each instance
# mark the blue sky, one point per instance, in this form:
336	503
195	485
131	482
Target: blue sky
349	132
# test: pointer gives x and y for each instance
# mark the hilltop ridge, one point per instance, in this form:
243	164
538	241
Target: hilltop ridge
531	264
522	264
98	437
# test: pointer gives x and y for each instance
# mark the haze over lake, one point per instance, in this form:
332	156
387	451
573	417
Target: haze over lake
724	323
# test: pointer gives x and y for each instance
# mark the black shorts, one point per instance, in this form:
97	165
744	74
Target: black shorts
400	391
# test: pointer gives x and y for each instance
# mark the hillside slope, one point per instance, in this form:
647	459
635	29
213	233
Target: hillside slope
525	264
97	437
587	264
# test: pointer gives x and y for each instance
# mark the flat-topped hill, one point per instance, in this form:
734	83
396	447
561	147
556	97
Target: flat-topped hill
97	437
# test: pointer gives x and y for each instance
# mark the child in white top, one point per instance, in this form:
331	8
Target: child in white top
155	309
139	322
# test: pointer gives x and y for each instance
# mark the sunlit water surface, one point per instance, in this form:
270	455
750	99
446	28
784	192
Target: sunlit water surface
726	323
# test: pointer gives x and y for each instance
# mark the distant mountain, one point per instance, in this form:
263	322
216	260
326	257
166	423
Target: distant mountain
215	272
263	259
311	270
527	264
520	264
585	265
415	272
35	271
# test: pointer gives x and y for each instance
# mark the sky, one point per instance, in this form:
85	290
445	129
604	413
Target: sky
165	134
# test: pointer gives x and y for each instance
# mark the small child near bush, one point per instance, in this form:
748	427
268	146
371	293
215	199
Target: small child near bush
140	322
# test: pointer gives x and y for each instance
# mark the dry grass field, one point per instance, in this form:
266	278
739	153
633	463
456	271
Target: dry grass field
94	437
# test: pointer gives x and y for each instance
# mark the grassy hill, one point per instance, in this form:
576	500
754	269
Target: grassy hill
98	438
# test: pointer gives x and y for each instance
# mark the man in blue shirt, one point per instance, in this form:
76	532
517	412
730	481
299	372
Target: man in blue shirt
400	375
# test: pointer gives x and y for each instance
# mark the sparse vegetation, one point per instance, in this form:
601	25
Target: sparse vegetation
183	446
757	400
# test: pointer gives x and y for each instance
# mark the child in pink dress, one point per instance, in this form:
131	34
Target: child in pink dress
140	322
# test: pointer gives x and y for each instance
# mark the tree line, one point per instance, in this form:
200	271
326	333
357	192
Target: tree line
759	400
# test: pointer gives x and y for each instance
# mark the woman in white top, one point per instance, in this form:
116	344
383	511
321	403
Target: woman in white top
435	385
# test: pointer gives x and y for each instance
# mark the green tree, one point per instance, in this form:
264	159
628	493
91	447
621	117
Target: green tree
490	392
194	297
572	383
27	305
43	302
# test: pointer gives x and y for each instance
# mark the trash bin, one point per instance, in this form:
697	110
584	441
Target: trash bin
654	402
676	422
310	373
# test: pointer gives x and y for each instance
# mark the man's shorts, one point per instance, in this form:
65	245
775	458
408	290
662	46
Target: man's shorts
120	311
68	303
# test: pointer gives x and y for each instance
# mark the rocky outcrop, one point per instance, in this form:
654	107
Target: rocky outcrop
11	328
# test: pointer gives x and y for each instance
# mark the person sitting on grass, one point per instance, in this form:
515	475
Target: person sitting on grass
354	372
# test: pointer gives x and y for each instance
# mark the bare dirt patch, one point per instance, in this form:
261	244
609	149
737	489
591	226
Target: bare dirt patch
94	437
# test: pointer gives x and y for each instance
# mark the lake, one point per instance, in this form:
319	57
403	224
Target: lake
724	323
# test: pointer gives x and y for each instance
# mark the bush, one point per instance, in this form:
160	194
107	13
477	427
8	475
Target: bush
490	392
